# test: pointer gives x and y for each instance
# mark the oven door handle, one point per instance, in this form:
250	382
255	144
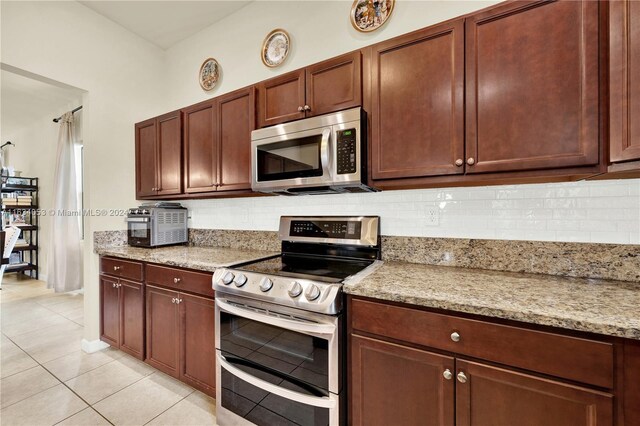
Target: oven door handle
315	401
137	219
314	329
324	152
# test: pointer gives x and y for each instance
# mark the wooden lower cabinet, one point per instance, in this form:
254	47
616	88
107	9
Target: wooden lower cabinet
163	330
394	384
487	395
197	342
180	336
122	314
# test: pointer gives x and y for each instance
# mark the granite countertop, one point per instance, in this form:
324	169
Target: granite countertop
199	258
597	306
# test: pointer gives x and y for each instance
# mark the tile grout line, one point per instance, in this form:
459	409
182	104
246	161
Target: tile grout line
177	402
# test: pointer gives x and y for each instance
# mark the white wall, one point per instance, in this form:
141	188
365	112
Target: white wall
600	212
319	30
124	79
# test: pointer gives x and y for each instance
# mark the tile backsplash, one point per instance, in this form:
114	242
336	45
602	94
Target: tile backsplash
594	211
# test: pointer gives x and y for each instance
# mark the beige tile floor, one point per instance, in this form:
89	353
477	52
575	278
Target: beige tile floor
45	379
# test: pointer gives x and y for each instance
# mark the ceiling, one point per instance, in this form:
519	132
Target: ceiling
25	101
165	23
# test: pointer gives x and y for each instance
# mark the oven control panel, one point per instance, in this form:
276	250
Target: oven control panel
342	229
297	293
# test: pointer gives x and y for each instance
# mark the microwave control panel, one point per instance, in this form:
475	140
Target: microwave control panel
346	158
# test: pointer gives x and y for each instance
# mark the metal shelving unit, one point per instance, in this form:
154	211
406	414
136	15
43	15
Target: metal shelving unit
28	253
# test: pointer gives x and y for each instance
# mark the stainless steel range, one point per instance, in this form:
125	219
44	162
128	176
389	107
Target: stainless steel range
279	324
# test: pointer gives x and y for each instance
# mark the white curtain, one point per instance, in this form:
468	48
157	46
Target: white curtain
64	266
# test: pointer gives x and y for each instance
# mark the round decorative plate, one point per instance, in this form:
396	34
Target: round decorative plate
209	74
275	48
369	15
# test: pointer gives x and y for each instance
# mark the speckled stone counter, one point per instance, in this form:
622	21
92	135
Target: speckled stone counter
199	258
597	306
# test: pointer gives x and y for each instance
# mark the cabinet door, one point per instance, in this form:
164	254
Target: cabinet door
624	78
236	120
334	85
398	385
197	342
418	104
200	153
109	311
281	99
132	318
495	396
532	86
170	154
146	172
163	324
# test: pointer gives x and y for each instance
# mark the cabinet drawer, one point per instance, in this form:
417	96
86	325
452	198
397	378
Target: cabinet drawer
179	279
572	358
121	268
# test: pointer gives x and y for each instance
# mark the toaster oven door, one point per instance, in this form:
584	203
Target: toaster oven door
139	231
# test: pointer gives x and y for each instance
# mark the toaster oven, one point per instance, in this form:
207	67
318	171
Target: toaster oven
156	225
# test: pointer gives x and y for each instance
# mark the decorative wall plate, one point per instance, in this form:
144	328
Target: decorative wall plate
209	74
275	48
369	15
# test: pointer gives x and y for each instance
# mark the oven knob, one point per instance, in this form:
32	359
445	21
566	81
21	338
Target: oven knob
295	289
137	211
266	284
145	211
228	278
240	280
312	293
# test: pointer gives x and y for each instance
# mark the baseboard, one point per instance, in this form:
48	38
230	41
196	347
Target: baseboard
93	345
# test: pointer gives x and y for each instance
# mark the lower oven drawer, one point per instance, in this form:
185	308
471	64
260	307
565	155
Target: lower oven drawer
259	398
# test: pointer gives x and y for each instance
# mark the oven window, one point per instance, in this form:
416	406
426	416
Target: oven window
138	230
267	409
283	352
296	158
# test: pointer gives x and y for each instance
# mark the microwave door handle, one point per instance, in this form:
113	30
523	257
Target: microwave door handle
320	330
315	401
324	152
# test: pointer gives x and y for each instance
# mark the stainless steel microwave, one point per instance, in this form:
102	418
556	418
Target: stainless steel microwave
318	155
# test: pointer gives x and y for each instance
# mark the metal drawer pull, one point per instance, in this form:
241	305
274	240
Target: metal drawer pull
173	300
116	268
176	280
178	301
462	378
455	336
447	374
115	285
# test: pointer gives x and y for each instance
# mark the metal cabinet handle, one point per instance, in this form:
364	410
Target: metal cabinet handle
116	268
447	374
459	162
300	109
179	301
462	378
115	285
173	300
471	161
176	280
455	336
307	108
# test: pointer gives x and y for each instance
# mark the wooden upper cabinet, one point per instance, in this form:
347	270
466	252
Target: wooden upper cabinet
169	148
417	103
281	99
495	396
200	152
532	86
236	120
398	385
334	85
146	172
624	78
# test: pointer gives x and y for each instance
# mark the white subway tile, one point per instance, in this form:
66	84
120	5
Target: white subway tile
610	237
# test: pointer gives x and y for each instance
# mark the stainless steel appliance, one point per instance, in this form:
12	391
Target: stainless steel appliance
279	324
157	224
318	155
